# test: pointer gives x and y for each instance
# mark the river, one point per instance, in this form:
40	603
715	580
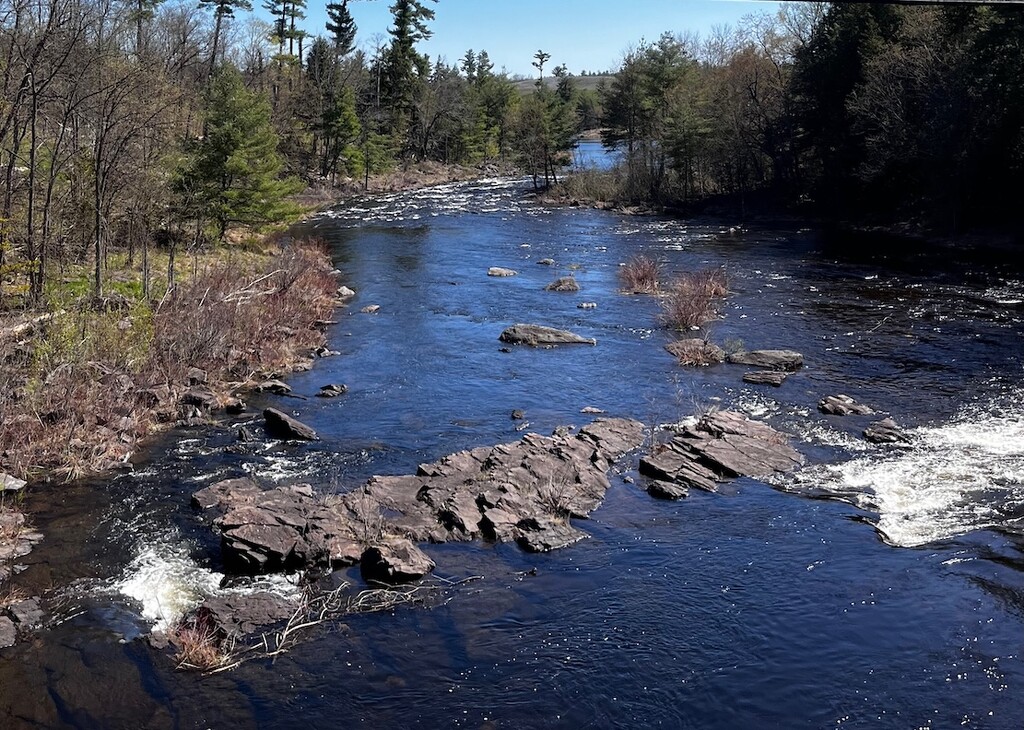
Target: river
878	587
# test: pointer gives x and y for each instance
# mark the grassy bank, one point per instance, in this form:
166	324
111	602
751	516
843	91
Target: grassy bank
82	384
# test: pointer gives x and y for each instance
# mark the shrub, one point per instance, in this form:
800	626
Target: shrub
641	274
692	301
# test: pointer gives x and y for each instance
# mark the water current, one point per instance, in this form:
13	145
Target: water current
877	587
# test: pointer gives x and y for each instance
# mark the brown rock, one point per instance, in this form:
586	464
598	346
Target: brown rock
281	425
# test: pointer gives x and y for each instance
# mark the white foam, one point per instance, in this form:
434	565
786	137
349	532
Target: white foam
957	477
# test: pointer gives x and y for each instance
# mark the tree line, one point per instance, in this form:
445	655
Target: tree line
128	124
866	110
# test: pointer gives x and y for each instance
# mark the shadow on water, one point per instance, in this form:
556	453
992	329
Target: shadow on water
750	608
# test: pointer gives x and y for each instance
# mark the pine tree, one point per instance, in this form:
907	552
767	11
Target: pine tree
342	27
232	175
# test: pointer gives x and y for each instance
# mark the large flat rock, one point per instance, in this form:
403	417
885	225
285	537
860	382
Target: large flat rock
537	335
787	360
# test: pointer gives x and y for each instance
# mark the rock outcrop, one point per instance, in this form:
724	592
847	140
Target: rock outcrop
886	431
537	335
721	446
525	492
282	426
765	377
564	283
769	359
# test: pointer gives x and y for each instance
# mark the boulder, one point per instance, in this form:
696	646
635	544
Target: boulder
843	405
886	432
235	406
281	425
203	400
591	410
11	484
696	351
537	335
501	272
26	613
546	262
564	283
395	561
765	377
722	445
332	391
344	293
544	534
370	309
769	359
196	376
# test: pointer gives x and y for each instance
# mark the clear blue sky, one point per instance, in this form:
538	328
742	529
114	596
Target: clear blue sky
583	34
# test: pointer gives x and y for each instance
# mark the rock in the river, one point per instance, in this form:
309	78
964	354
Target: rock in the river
370	309
273	386
591	410
518	414
501	272
546	533
234	406
11	484
240	614
886	432
667	490
695	351
281	425
26	613
332	390
344	293
395	561
203	400
546	262
8	633
587	305
843	405
537	335
564	283
723	445
765	377
769	359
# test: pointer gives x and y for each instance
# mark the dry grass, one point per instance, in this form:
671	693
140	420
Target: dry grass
693	299
77	398
641	274
198	648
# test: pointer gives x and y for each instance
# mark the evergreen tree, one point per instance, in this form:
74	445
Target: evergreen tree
232	173
221	9
341	26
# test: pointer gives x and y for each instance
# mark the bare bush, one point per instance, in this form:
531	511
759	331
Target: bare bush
693	299
198	648
641	274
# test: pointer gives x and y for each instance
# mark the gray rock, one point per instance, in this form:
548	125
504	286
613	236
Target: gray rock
204	400
11	484
546	262
281	425
241	614
886	431
332	391
518	415
537	335
26	613
843	405
345	293
8	633
765	377
769	359
667	490
564	283
370	309
543	534
197	376
723	445
235	406
587	305
395	561
501	272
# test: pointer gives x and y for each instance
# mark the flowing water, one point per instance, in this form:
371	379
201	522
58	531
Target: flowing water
878	587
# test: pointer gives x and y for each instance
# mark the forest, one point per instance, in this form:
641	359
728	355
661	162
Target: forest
126	124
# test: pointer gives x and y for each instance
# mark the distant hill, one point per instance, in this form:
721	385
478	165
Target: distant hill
525	86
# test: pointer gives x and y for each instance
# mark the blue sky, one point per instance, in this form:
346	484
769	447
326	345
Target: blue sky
583	34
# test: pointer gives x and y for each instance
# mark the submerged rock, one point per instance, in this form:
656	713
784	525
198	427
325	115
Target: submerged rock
722	445
587	305
281	425
886	431
765	377
537	335
843	405
769	359
332	390
501	272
